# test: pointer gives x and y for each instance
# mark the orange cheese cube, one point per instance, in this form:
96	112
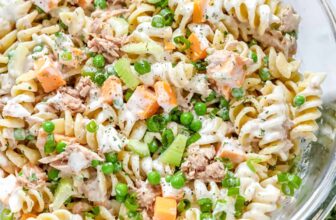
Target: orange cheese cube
165	209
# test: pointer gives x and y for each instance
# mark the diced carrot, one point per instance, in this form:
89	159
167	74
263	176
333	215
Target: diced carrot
169	45
165	209
27	216
165	95
112	89
198	15
143	102
197	52
49	77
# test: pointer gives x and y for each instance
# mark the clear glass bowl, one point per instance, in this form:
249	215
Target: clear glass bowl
317	50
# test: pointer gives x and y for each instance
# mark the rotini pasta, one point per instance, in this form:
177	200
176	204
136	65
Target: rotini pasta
151	109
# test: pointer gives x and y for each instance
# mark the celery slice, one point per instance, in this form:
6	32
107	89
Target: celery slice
123	69
173	155
63	192
138	147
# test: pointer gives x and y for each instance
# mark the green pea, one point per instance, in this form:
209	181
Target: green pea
205	204
154	177
177	181
224	114
121	189
186	118
120	198
175	114
53	174
195	125
100	4
111	157
60	147
237	93
142	67
156	123
167	137
193	138
99	61
117	166
200	108
158	21
95	163
264	74
19	134
92	126
48	126
99	78
299	100
153	146
108	168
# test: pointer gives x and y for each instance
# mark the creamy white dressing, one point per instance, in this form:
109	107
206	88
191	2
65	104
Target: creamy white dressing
109	139
8	185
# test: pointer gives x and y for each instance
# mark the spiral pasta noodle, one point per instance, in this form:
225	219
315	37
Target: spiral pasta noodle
31	200
56	215
137	109
304	116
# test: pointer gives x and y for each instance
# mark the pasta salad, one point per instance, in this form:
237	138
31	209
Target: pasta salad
151	109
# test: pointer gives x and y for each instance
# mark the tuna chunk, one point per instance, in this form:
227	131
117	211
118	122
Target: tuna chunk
32	176
72	99
146	195
110	48
74	159
200	164
289	19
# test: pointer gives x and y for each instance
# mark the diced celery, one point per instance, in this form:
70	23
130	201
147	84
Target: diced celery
144	48
123	69
138	147
173	155
63	192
